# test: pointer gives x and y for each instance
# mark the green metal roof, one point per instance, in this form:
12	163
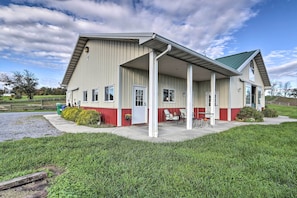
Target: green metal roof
236	60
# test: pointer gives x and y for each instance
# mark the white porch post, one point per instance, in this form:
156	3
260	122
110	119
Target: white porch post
212	96
230	99
153	95
189	96
119	111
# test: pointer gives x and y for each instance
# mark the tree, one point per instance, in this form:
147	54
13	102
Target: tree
25	82
294	92
273	88
287	89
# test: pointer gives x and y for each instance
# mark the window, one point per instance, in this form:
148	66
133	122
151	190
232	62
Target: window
248	95
85	95
109	93
139	98
168	95
95	94
252	71
259	95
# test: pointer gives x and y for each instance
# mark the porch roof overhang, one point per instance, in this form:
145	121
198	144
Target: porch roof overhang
155	42
159	44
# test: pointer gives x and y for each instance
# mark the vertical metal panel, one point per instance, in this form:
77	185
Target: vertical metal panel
99	68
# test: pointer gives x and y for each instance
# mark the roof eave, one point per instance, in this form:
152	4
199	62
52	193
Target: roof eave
231	71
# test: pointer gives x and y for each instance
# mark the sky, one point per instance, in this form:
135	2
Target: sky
40	35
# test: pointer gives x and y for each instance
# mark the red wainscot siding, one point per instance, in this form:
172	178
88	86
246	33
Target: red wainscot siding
224	114
124	121
202	110
234	113
109	116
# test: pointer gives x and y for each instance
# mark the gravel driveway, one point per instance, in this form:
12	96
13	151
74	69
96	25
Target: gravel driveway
15	126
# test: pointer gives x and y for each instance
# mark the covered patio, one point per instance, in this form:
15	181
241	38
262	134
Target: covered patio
169	58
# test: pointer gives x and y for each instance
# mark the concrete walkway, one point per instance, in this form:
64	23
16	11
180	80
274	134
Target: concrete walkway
168	132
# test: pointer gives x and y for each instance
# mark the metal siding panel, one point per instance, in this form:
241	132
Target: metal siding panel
99	68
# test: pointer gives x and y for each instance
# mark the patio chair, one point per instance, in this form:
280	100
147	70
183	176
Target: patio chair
183	114
170	117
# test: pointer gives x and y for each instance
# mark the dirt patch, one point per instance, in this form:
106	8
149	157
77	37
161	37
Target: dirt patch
37	189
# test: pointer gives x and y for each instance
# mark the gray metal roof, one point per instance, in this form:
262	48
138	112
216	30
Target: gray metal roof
155	42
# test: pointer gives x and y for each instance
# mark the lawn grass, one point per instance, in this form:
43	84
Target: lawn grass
246	161
290	111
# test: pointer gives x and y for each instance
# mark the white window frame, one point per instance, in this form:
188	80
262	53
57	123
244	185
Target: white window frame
95	92
252	71
85	96
248	87
108	92
171	97
259	95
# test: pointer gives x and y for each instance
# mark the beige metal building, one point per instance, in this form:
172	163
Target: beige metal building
142	74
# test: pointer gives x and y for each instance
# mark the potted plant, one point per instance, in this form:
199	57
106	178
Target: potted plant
128	116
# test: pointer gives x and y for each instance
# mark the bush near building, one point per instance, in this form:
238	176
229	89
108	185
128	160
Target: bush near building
80	116
270	113
249	114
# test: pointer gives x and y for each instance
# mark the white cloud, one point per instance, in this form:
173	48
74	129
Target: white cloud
47	30
282	66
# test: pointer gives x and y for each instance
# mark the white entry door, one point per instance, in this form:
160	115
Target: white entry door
139	108
208	102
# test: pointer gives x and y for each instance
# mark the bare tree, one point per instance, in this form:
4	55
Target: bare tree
274	88
287	88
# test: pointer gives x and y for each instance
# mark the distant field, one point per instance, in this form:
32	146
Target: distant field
281	100
39	103
290	111
25	98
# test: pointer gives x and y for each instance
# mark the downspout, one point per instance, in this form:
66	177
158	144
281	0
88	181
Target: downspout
154	111
165	52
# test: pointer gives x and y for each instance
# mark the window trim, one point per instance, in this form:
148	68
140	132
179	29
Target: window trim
170	90
109	88
93	95
252	71
85	96
248	85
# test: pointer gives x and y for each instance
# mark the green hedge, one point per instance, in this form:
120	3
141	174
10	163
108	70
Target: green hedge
71	113
87	117
80	116
270	113
249	114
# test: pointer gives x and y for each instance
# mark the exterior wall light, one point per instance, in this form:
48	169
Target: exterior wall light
87	49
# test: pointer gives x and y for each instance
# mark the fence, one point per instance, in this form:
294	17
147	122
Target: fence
31	105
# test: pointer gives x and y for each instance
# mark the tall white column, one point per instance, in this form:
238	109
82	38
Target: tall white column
230	99
189	96
212	95
119	116
153	95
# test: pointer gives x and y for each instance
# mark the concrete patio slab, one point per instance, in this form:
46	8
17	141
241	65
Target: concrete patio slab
168	131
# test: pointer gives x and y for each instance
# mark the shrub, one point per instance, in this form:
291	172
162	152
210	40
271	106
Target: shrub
87	117
70	113
270	113
249	114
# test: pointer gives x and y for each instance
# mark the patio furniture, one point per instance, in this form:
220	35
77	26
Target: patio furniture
205	119
183	114
170	117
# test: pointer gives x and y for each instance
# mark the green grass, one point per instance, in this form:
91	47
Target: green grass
290	111
247	161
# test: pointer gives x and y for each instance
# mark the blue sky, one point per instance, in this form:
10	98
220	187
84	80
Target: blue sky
39	35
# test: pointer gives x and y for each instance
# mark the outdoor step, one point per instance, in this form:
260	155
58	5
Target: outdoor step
22	180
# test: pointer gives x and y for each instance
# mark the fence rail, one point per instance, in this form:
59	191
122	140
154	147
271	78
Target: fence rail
30	105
